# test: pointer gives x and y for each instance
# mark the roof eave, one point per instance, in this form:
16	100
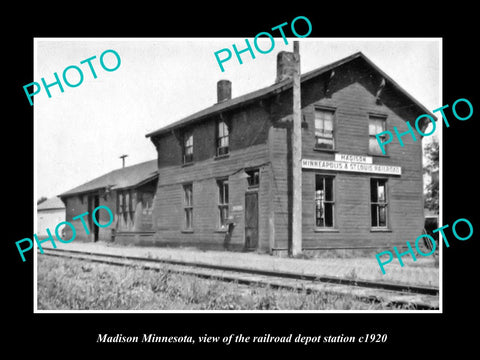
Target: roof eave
110	186
140	183
75	193
234	105
286	84
400	88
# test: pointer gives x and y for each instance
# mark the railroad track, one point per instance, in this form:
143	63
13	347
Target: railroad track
419	297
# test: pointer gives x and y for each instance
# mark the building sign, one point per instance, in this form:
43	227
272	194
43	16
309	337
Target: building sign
354	158
351	167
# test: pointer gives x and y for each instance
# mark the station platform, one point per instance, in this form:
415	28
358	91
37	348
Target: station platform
422	272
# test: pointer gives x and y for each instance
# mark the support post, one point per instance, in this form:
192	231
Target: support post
296	243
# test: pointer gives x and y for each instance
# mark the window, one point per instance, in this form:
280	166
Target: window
120	203
222	138
126	204
187	147
253	178
376	124
379	204
324	129
147	203
132	204
324	201
223	203
188	206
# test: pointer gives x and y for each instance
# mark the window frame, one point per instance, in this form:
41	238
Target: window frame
254	185
133	204
187	134
146	198
334	123
187	207
219	138
377	204
125	204
223	203
383	118
332	202
120	203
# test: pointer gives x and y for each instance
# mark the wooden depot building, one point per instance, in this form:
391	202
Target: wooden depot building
128	192
227	168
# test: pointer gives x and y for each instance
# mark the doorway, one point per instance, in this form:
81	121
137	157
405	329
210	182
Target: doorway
93	203
251	220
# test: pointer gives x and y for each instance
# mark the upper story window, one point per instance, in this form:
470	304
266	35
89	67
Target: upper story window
222	138
253	178
187	147
376	124
324	127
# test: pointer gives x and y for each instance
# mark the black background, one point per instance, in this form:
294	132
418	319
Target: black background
409	334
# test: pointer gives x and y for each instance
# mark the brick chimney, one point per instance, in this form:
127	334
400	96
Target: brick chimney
224	90
285	65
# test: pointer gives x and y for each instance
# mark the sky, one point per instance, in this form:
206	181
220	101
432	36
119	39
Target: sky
80	133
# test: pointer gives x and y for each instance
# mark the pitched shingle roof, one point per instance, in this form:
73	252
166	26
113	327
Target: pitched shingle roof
51	203
280	87
118	179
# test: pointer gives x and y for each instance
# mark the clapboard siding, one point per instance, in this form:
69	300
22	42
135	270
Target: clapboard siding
279	161
248	150
78	204
138	222
169	202
260	138
353	103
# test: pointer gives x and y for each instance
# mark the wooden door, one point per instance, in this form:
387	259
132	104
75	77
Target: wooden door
93	202
96	203
251	220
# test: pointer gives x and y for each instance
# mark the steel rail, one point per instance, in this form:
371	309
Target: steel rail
402	288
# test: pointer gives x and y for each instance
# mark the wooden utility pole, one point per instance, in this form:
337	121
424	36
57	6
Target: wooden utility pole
296	247
123	159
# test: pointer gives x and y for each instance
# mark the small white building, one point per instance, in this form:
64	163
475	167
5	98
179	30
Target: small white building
49	214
